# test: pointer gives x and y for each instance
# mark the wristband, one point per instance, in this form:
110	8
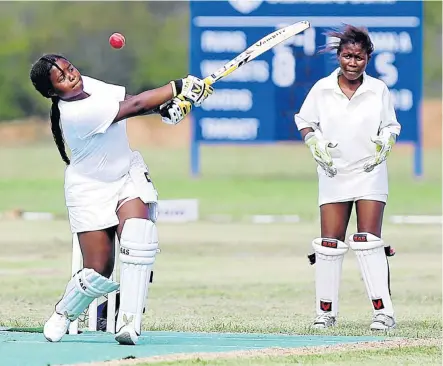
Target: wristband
177	86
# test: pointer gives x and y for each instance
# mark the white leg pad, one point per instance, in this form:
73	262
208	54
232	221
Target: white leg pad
85	286
138	248
329	254
371	256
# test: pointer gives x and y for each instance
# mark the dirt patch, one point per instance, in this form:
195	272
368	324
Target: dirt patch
24	131
142	131
150	131
432	123
277	352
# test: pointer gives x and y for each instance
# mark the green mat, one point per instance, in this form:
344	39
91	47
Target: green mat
19	348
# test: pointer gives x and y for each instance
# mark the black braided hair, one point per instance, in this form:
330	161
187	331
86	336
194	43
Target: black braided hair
350	35
40	79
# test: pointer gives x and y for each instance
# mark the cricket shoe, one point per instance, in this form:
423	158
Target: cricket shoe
56	327
127	335
382	322
324	321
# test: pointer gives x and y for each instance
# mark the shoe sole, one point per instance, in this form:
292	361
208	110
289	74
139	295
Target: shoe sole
382	327
322	326
125	339
49	339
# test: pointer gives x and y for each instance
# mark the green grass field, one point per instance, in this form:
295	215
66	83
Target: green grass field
234	277
235	180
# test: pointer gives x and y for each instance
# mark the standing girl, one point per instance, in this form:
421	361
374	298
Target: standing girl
348	122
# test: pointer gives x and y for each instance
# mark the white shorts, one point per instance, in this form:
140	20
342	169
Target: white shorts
353	186
101	214
369	197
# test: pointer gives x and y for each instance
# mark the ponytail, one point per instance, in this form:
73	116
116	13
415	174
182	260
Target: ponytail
40	79
57	131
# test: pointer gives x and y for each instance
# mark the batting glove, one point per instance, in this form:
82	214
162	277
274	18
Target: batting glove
175	110
384	143
192	88
319	149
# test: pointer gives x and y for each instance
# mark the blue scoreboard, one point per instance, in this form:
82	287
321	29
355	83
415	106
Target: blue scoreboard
257	102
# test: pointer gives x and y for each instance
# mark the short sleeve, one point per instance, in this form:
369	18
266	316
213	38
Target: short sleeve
94	116
388	116
308	115
92	86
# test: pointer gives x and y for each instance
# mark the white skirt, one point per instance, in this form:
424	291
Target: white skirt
353	186
96	203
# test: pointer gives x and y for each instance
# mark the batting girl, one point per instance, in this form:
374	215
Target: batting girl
107	185
348	122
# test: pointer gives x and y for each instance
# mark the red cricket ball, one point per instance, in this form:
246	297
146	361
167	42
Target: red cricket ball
117	40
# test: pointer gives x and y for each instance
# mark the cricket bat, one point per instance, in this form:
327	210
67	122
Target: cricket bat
258	48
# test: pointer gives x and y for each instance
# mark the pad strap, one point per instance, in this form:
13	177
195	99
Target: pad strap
138	242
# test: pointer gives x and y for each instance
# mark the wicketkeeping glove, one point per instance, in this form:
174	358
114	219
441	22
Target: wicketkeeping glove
319	148
175	110
192	88
384	141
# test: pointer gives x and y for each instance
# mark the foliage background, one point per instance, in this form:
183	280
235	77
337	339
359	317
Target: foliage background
158	50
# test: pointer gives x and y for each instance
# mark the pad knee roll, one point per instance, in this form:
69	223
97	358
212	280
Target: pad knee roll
365	241
93	284
138	242
329	247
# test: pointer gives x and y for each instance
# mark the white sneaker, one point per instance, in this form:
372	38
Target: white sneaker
127	335
324	321
382	322
56	327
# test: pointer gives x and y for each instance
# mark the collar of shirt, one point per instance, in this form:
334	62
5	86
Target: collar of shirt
331	83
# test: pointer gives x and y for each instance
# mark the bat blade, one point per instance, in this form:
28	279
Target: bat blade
258	48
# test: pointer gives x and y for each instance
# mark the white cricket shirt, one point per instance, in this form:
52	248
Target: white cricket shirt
100	151
351	123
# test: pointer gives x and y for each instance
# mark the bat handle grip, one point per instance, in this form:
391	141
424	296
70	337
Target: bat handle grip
208	80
